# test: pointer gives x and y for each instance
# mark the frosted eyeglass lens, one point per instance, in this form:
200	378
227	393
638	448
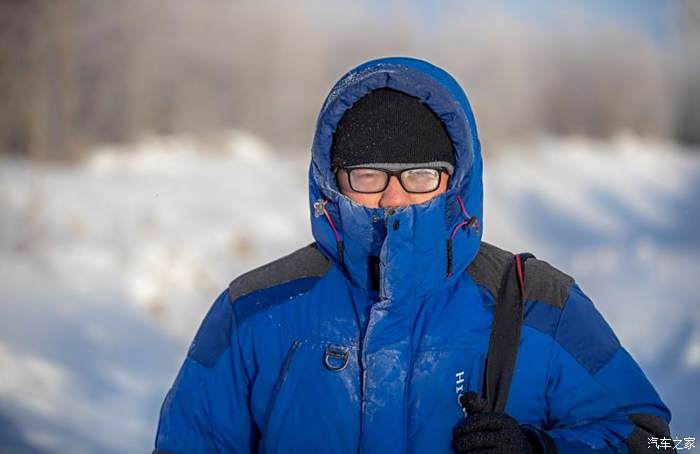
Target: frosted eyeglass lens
367	180
420	180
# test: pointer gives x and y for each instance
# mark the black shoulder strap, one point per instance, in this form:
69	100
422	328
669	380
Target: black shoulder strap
505	334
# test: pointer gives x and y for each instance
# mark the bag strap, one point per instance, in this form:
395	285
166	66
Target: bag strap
505	334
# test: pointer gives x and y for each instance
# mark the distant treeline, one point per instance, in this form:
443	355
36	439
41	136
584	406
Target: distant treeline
74	73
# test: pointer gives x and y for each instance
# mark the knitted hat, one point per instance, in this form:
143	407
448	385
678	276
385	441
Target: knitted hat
390	127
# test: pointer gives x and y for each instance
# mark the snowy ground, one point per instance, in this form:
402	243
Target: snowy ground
107	268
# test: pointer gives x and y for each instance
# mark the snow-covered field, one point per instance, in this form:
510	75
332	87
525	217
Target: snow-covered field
106	268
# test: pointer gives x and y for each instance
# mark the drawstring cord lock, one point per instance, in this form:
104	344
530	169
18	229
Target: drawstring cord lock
472	222
319	207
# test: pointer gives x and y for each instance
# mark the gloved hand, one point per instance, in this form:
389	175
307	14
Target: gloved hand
488	432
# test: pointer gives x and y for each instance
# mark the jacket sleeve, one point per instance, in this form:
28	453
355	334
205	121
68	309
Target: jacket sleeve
598	398
206	410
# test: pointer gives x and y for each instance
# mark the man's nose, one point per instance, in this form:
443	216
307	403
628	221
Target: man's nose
394	195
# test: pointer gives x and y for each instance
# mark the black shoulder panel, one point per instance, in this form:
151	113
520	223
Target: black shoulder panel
305	262
487	267
543	282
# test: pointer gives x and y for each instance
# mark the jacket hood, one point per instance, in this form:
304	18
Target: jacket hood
418	247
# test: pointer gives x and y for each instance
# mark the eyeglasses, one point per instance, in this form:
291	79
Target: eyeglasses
369	180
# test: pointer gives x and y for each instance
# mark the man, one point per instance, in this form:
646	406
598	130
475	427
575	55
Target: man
370	338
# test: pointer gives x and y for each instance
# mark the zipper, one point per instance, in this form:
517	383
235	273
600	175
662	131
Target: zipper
279	384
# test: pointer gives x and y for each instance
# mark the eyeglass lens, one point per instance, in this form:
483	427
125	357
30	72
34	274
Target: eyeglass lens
412	180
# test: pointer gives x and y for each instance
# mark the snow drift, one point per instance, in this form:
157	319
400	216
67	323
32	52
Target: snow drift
107	268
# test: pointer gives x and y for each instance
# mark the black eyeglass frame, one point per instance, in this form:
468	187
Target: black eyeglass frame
392	173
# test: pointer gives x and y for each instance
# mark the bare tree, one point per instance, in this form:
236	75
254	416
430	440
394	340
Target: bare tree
79	72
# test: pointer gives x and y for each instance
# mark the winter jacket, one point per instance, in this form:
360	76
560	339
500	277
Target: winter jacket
364	340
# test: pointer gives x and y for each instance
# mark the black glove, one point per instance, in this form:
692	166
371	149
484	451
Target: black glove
488	432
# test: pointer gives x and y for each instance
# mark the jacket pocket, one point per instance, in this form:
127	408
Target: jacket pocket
315	401
276	390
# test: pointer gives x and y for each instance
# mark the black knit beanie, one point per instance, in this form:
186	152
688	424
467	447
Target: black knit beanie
390	127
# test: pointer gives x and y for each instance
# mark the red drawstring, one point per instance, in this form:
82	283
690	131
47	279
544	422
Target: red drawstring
320	208
454	231
471	221
330	221
461	204
521	276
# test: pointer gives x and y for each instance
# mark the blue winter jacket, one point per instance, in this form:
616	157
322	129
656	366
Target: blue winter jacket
308	354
